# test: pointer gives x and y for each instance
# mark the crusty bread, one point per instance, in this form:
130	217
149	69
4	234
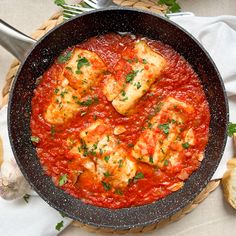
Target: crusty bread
229	183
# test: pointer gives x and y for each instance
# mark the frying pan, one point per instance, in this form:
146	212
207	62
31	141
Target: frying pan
74	31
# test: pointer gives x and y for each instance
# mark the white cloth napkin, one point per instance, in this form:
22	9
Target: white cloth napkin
218	35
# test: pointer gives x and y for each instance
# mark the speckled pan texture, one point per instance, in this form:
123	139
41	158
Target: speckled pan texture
74	32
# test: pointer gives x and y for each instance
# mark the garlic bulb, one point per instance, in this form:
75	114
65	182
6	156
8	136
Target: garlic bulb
13	185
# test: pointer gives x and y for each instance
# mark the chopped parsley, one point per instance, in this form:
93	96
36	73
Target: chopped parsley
53	131
166	163
56	90
82	61
59	225
186	145
138	85
124	99
88	102
120	162
108	138
151	159
64	57
172	5
26	198
139	175
131	75
106	158
118	192
145	61
107	174
164	127
63	179
123	93
106	186
231	129
130	144
35	139
62	214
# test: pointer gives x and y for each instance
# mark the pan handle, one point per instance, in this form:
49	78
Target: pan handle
17	43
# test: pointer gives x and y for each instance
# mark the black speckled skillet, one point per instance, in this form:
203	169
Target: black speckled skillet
73	32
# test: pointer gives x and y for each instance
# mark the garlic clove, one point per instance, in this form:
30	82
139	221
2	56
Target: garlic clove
13	185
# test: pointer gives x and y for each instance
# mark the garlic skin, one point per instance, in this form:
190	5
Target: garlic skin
13	185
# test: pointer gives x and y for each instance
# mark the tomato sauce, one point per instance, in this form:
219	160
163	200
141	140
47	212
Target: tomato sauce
178	81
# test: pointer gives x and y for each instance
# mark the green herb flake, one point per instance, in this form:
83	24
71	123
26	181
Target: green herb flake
166	163
106	158
69	68
59	225
231	129
145	61
130	145
186	145
172	5
35	139
64	57
82	61
164	127
124	99
118	192
131	75
123	93
151	159
106	186
138	85
26	198
62	214
95	117
139	175
53	131
56	90
120	162
107	174
59	2
63	179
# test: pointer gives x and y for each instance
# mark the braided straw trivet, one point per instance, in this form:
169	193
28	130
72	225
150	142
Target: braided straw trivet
49	24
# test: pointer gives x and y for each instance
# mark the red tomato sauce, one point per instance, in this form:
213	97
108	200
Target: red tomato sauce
178	81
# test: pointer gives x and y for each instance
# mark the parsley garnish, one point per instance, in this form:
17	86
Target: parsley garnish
123	93
144	61
131	76
106	158
172	5
166	163
82	61
231	129
88	102
65	57
165	128
120	162
118	191
63	179
62	214
138	85
26	198
59	225
130	144
56	90
107	174
151	159
186	145
35	139
106	186
139	175
53	131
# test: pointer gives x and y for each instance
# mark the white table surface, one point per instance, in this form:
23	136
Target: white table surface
212	217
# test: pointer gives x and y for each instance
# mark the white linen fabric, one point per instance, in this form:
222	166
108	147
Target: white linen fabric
218	36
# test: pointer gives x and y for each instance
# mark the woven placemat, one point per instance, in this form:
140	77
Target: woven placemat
48	25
